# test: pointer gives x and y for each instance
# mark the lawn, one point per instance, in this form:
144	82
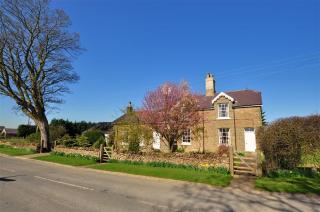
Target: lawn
68	159
199	176
12	151
290	184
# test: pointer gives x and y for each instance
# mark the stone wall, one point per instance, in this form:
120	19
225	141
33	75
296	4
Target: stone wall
195	159
78	150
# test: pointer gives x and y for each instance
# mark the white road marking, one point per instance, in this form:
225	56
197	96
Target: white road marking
64	183
8	170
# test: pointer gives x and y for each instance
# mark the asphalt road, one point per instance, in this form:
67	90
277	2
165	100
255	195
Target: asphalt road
28	185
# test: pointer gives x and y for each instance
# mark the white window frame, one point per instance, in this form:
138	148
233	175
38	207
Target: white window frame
226	111
186	139
221	136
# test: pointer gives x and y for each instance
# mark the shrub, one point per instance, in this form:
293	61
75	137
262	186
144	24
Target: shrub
93	136
34	137
134	146
98	143
83	141
223	150
312	159
25	130
285	141
67	141
57	132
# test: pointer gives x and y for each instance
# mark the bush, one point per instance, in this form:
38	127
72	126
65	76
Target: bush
312	159
34	137
223	150
285	141
67	141
93	136
134	146
83	141
98	143
25	130
57	132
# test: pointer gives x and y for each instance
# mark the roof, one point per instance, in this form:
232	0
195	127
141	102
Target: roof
11	131
127	118
102	126
242	98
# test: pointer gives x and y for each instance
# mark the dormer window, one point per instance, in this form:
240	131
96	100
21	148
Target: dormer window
223	110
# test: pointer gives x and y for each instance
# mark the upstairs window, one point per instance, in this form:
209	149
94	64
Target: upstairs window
224	136
186	137
223	110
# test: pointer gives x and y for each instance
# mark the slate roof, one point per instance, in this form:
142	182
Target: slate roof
242	98
10	131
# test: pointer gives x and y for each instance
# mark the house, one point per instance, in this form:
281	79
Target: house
229	118
9	132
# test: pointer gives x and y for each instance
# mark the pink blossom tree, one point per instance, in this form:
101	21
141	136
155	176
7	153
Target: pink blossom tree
170	110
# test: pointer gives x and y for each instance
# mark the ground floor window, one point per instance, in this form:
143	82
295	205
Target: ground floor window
186	137
224	136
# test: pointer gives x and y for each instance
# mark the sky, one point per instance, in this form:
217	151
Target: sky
133	46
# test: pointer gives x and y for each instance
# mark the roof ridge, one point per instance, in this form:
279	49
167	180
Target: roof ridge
242	90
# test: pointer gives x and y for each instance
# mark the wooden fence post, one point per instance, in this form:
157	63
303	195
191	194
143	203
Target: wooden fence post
101	153
259	164
231	160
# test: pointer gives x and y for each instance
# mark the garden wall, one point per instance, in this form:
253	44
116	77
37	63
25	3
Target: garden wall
196	159
78	150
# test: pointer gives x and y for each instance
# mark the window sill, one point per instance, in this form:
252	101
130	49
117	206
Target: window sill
223	118
185	144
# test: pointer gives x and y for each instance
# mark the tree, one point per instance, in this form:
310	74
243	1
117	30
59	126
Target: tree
25	130
170	110
263	118
36	52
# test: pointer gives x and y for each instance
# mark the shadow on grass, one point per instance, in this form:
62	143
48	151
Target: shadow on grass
292	185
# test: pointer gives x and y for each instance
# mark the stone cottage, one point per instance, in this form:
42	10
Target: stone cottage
228	118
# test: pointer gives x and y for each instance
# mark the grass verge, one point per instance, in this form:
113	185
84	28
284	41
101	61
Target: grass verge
210	177
291	185
12	151
68	159
292	181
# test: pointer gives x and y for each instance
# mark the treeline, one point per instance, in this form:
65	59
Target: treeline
70	128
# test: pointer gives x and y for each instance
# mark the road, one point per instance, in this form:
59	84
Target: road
29	185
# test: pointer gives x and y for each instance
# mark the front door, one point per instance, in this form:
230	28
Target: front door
156	140
250	140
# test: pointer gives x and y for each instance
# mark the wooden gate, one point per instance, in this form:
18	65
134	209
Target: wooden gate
244	163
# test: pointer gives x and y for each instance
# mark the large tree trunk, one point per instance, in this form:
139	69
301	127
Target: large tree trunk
45	143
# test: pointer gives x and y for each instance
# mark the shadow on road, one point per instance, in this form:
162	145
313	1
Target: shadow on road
235	198
9	178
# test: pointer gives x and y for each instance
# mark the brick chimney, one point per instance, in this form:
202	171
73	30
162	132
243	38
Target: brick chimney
210	85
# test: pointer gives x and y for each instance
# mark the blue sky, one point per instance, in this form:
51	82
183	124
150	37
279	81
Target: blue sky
135	45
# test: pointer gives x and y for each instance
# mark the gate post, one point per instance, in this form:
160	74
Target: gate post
231	160
259	163
101	153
